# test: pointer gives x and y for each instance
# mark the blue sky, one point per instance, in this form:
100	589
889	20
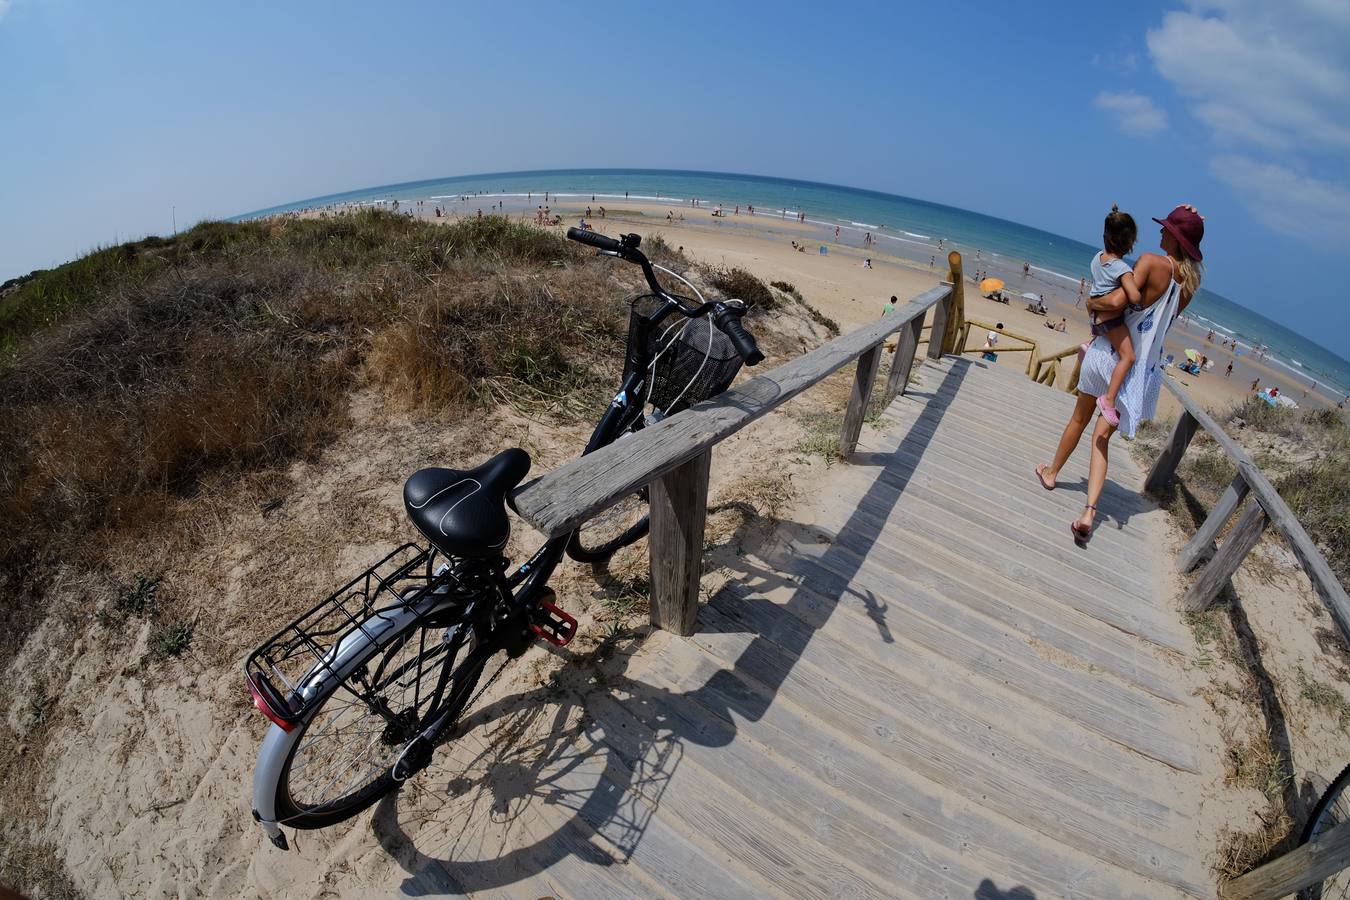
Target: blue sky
116	113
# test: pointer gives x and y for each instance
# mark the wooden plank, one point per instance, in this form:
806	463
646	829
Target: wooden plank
1131	718
902	363
937	335
1037	617
679	508
863	379
568	496
1305	866
1324	581
1166	463
1142	620
1201	545
1240	541
719	766
904	807
998	777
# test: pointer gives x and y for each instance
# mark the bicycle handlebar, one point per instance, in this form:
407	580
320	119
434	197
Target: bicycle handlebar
595	239
727	319
729	323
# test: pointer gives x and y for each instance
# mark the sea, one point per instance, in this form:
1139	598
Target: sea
904	226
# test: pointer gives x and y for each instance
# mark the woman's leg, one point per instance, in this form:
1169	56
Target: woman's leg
1101	443
1073	432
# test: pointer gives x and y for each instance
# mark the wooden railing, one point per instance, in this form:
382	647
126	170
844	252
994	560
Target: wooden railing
1047	369
1263	506
673	457
1031	345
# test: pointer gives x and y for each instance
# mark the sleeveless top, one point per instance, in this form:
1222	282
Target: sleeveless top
1137	400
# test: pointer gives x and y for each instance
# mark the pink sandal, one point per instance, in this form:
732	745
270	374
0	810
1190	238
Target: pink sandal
1109	412
1040	476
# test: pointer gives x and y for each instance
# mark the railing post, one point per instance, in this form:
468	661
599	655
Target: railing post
956	312
1303	867
1201	546
937	334
902	363
679	507
1072	386
1166	464
1240	541
863	378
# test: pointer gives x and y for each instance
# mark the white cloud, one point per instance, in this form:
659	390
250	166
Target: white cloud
1272	74
1134	113
1271	81
1289	202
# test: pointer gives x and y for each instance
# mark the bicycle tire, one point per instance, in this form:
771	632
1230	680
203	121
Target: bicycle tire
624	523
378	780
1333	808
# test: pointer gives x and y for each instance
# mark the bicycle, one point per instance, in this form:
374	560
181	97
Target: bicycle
363	687
1332	809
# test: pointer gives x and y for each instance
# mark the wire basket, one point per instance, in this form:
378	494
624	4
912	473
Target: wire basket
279	669
688	368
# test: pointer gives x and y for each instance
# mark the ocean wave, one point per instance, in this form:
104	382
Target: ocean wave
864	225
1069	278
921	236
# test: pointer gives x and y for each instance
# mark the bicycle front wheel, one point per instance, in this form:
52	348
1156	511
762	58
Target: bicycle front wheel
342	760
622	524
1332	809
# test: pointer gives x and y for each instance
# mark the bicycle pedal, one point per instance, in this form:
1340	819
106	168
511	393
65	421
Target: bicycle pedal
553	624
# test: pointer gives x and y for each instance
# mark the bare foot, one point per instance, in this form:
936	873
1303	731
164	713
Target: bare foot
1082	526
1047	478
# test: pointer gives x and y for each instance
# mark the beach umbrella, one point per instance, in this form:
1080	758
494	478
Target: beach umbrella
991	284
1034	298
1193	355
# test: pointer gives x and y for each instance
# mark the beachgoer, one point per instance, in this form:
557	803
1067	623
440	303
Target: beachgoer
991	344
867	263
1063	325
1109	272
890	306
1166	285
1255	383
836	232
1026	269
1229	373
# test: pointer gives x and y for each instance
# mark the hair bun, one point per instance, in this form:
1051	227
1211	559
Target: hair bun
1115	208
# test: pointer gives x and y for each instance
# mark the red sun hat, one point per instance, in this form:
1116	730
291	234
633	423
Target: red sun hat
1188	227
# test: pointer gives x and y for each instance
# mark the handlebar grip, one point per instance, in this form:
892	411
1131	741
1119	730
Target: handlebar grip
744	342
595	239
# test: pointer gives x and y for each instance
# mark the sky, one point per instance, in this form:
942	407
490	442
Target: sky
120	119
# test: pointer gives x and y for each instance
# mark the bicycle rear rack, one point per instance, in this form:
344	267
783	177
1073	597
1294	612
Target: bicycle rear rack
279	668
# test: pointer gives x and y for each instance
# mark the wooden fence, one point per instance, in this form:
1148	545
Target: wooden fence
673	457
1261	507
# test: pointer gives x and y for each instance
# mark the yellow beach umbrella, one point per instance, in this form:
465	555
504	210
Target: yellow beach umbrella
991	284
1193	355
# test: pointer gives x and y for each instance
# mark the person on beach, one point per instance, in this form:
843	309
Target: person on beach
1229	373
991	344
1255	384
1110	272
1166	282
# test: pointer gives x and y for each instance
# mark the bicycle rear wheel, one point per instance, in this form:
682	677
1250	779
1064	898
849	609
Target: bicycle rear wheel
622	524
1332	809
342	759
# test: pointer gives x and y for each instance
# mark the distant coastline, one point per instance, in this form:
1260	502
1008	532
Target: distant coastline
905	226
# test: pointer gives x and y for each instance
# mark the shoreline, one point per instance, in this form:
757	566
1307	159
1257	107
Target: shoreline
905	251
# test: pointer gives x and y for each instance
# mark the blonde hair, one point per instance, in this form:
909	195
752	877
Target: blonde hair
1191	272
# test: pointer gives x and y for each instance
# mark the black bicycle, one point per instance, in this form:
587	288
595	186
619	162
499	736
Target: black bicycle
364	686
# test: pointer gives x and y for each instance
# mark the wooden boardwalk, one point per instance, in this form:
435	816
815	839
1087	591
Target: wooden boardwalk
925	691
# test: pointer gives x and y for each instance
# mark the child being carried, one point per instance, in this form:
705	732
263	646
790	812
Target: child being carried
1110	272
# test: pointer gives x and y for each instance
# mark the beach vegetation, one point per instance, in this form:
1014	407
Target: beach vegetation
738	283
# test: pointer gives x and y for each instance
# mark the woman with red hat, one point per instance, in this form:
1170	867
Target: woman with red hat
1166	282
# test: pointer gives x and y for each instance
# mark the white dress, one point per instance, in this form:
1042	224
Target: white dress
1137	400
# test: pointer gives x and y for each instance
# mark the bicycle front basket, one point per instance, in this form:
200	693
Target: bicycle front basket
694	361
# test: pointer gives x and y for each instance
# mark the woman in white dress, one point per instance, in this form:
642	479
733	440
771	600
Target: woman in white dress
1166	285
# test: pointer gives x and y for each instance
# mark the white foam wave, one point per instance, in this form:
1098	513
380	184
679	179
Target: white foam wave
864	225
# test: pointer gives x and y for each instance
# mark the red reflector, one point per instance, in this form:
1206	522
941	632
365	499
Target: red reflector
260	701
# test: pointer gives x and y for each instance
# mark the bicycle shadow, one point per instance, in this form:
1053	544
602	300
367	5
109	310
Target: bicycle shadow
571	773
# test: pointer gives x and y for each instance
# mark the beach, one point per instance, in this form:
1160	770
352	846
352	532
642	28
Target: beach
838	283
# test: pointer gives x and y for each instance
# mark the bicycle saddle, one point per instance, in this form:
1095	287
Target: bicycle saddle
463	513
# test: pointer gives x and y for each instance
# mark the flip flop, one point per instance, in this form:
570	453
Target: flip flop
1041	478
1081	535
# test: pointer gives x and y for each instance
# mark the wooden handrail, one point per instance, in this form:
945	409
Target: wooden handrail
564	498
674	455
1263	493
1061	354
1302	867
